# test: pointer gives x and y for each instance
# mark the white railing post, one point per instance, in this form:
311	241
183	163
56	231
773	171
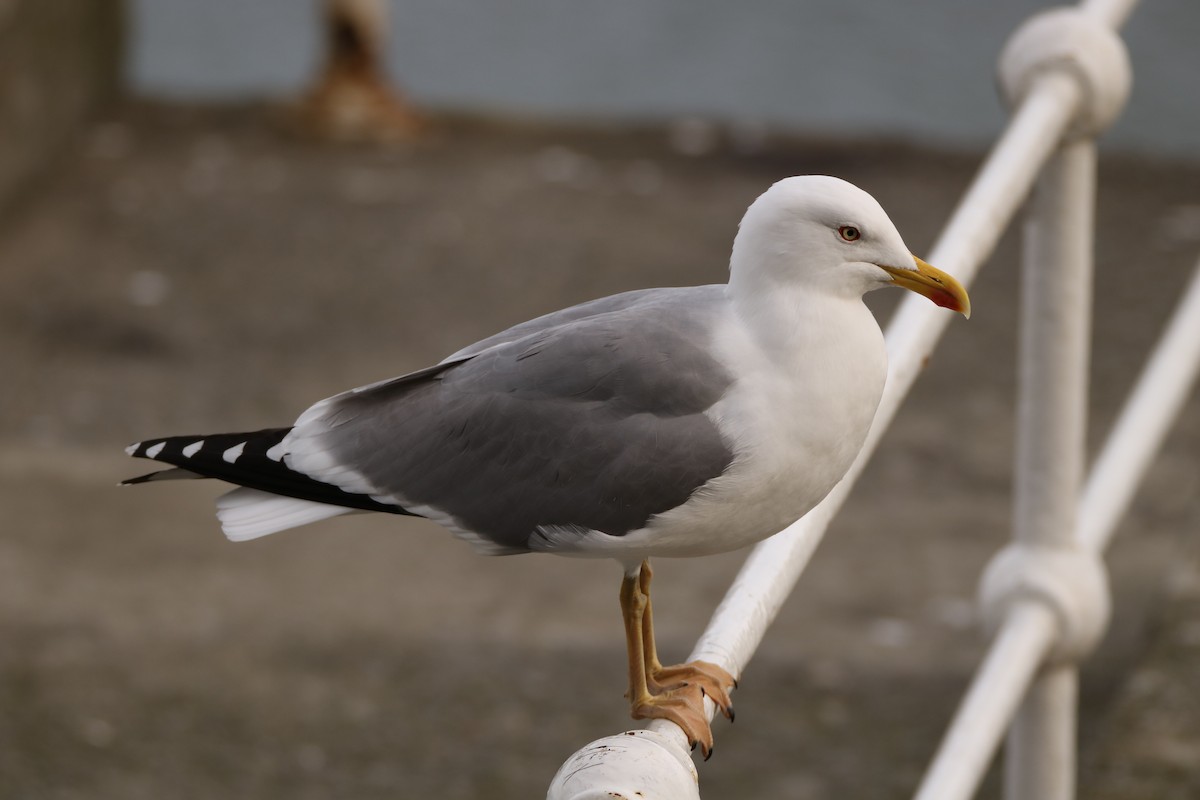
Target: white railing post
1045	561
1052	413
1045	575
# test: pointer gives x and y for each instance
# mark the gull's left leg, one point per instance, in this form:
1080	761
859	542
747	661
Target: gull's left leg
714	681
684	704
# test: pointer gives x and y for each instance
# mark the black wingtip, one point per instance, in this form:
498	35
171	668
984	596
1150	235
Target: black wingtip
172	474
246	459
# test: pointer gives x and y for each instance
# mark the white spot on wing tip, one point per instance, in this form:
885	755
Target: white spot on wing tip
234	453
153	451
193	448
132	448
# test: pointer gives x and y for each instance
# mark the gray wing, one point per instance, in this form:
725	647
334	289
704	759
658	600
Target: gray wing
640	298
591	419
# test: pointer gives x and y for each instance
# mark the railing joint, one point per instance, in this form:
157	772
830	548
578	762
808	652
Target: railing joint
1071	581
1073	42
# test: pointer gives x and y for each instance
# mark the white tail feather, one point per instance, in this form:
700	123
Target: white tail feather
248	513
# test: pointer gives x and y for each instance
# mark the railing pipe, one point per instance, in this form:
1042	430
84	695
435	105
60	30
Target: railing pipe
1055	328
1153	405
1041	742
1052	413
758	592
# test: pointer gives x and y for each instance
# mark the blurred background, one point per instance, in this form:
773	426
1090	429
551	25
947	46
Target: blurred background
213	213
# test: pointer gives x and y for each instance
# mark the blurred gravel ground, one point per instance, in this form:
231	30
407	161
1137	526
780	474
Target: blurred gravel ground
197	270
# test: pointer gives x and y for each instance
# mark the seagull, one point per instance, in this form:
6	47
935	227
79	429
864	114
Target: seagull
664	422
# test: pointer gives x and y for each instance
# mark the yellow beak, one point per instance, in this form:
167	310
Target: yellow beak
930	281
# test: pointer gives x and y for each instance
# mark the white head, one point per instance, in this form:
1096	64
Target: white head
819	234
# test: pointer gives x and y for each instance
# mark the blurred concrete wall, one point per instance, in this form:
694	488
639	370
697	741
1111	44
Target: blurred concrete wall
59	59
916	70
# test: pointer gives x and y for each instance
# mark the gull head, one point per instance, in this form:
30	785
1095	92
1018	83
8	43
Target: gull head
814	233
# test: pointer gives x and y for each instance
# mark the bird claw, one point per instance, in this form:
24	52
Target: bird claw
712	680
685	707
677	693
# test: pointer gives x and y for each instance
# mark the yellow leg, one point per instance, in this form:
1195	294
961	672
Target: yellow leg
674	693
713	680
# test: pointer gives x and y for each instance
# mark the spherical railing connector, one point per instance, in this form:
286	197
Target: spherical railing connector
635	765
1070	581
1074	42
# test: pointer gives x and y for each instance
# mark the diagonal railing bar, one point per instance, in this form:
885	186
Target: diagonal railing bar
1154	403
1066	75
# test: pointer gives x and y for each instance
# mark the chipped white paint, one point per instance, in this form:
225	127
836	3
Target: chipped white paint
635	765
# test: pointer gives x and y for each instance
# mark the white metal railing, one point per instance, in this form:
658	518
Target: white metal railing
1066	75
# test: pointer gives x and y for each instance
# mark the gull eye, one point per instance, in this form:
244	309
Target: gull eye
849	233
